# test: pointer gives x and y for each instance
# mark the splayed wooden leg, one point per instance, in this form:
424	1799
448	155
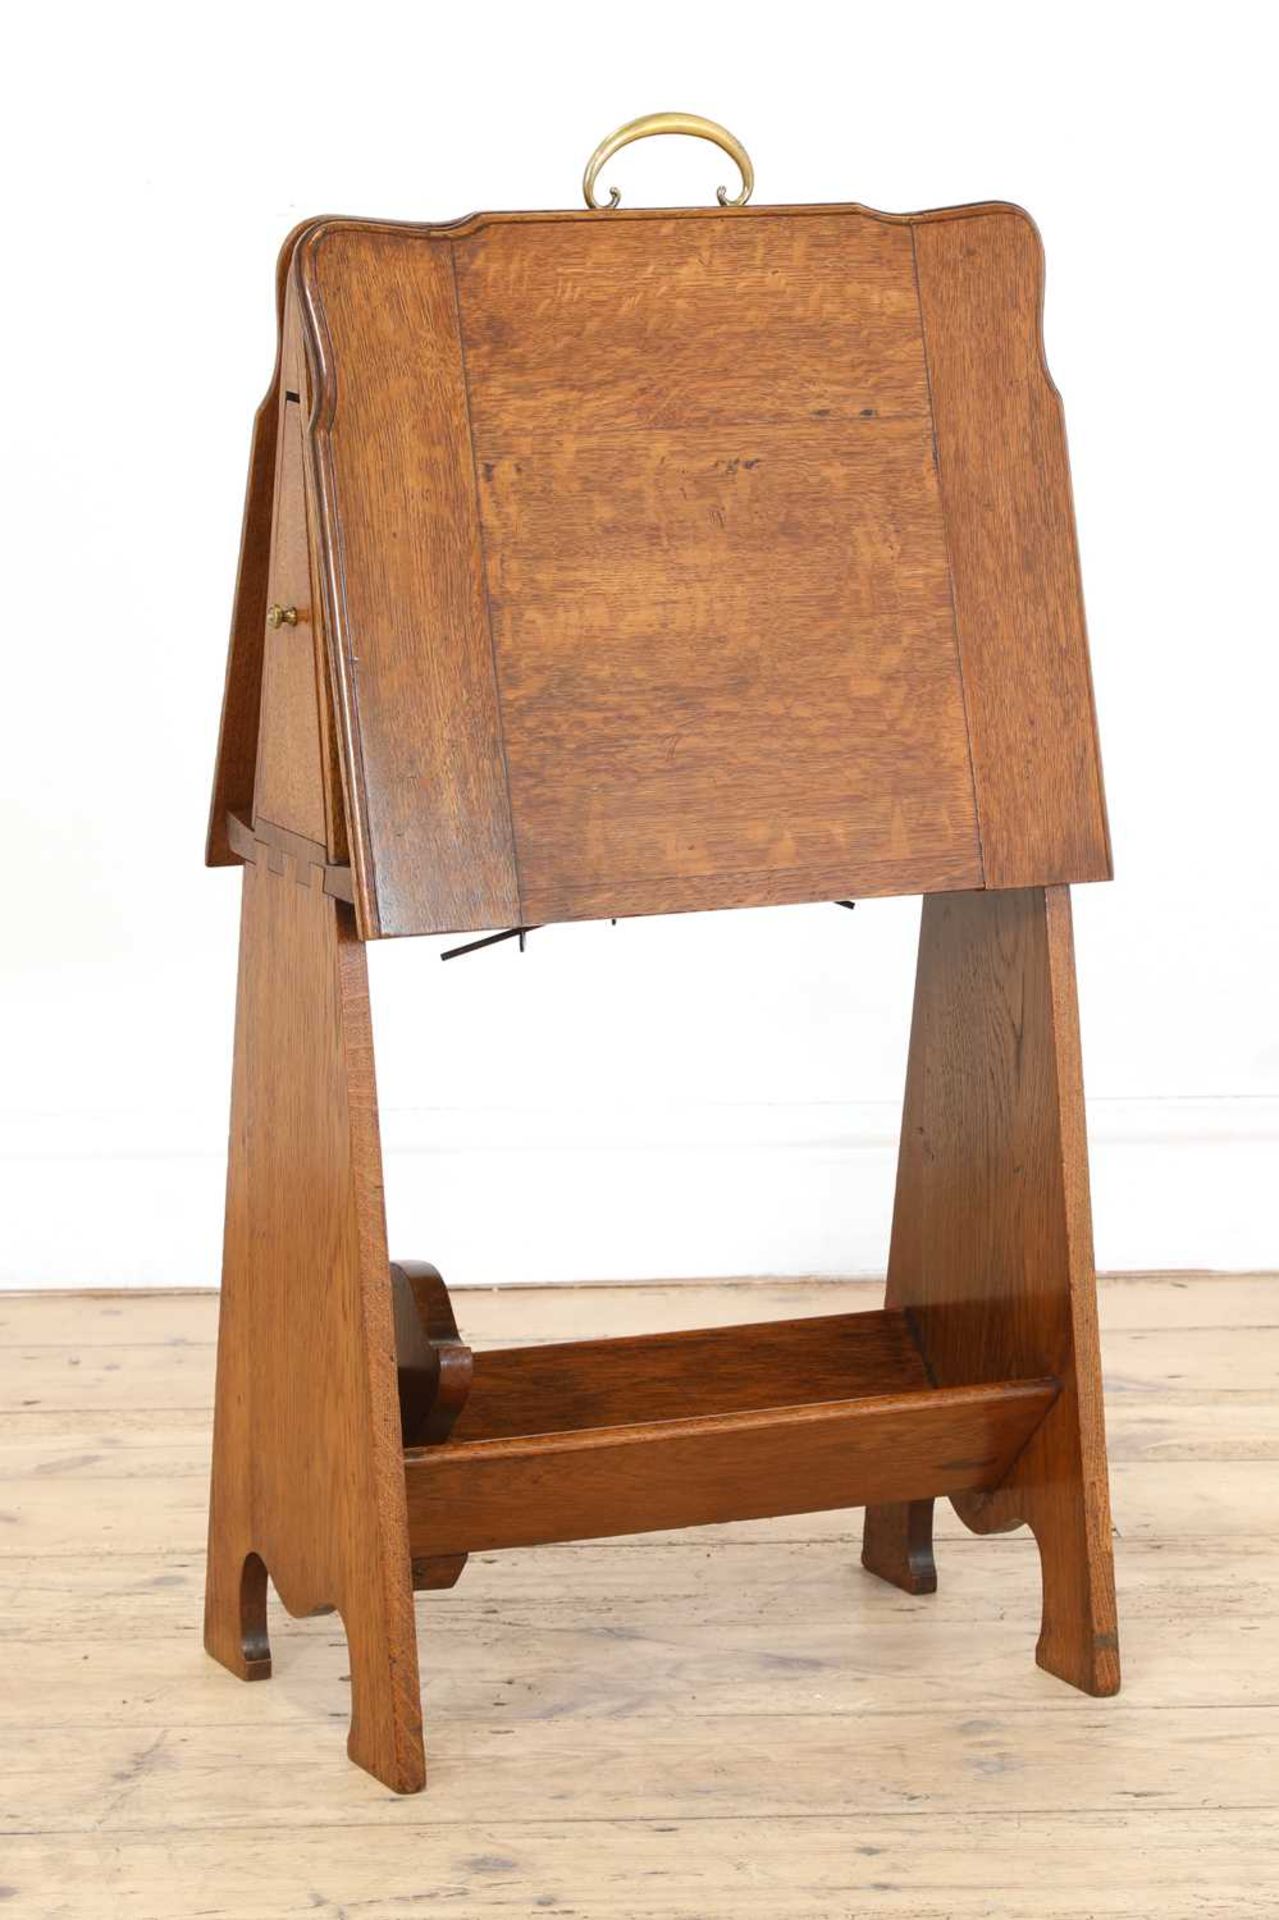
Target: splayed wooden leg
992	1241
308	1470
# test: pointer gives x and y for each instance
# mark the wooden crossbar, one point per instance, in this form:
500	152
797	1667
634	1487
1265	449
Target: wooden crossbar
468	1496
672	1376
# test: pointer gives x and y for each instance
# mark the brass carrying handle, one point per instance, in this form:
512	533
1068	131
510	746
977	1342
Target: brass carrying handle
651	123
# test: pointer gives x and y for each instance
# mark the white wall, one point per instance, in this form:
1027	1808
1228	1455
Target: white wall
714	1093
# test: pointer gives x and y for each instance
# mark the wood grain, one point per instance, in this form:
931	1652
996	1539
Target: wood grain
306	1468
992	1235
468	1496
726	660
727	666
675	479
1166	1863
667	321
138	1779
286	792
809	1601
403	583
638	592
897	1544
1011	529
970	1769
667	1376
434	1366
58	1520
237	752
716	564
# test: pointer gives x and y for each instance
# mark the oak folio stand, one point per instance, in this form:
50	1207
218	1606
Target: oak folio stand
619	563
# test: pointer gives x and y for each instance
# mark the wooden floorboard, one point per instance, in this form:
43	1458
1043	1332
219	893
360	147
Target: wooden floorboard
735	1721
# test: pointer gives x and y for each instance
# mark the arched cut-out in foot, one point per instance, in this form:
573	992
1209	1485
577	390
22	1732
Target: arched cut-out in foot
253	1634
235	1630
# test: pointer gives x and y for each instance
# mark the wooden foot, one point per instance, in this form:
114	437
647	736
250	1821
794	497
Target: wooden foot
308	1472
992	1238
897	1544
1078	1636
386	1706
433	1572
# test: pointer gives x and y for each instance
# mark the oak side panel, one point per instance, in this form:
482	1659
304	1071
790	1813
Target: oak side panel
991	1246
717	569
296	372
287	790
404	584
307	1467
1005	480
237	751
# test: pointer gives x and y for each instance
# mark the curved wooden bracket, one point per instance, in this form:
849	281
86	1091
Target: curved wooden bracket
433	1363
434	1369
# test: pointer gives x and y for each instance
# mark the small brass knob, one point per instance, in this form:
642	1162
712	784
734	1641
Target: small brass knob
278	616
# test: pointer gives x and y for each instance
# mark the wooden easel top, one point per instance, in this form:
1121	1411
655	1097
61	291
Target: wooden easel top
672	560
